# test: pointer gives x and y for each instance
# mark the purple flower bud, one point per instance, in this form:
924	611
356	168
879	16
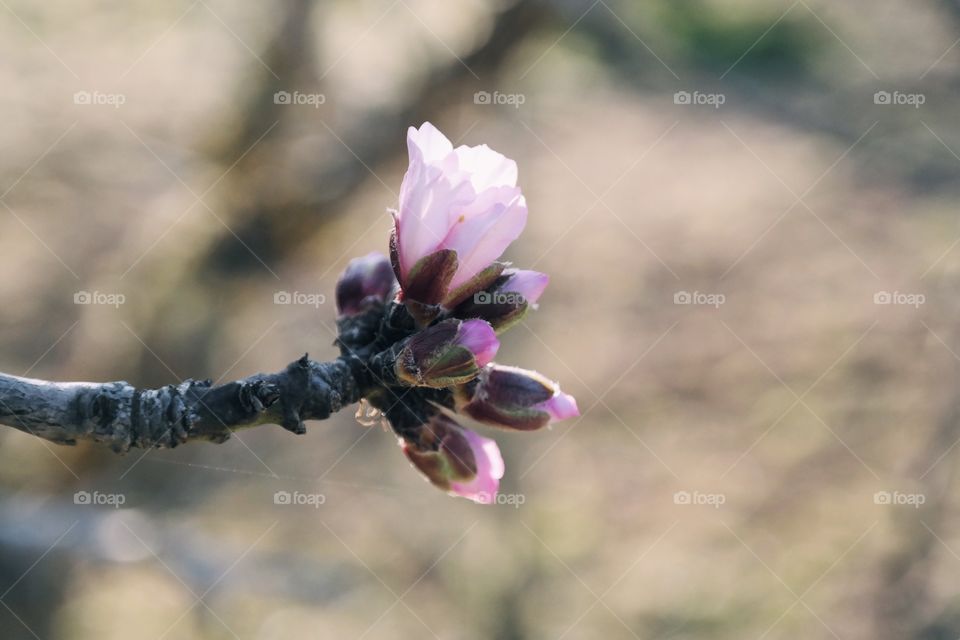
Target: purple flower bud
529	285
483	487
455	459
366	281
479	337
514	398
447	353
560	406
507	300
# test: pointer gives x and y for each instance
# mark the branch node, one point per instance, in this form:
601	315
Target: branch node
256	396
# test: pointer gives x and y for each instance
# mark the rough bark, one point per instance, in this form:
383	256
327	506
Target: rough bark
123	416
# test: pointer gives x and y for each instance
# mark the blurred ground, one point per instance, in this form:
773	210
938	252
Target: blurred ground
745	469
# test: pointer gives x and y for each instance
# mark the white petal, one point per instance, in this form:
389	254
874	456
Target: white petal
486	168
484	235
431	145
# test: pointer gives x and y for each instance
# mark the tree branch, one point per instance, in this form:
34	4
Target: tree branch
123	416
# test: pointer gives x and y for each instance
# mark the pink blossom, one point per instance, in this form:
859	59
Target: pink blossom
465	200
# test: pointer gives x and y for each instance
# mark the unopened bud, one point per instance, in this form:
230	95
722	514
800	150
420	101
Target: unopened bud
455	459
514	398
507	300
447	353
366	281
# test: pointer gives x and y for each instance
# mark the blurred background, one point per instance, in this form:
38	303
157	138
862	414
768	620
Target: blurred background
748	212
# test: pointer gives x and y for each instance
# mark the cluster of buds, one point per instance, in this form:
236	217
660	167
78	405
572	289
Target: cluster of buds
425	321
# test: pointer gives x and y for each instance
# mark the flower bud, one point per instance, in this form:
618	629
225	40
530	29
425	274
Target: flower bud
365	282
455	459
507	301
514	398
447	353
